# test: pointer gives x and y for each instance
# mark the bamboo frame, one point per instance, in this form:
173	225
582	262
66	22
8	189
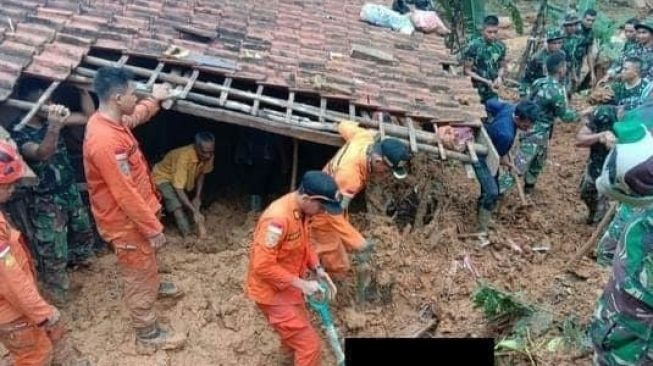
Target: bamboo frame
37	106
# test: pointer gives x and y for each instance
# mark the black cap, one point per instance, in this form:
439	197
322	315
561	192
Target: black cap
396	154
319	185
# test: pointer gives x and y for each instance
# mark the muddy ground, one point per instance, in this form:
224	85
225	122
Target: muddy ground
423	269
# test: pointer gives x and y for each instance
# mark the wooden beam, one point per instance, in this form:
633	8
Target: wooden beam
190	84
37	106
401	132
412	139
291	100
472	151
352	112
226	86
257	101
155	75
323	107
396	131
441	150
381	124
122	61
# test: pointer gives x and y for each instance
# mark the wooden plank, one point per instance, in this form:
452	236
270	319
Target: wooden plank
295	163
291	100
370	53
352	112
191	83
37	106
225	90
381	125
122	61
472	151
323	107
412	139
492	158
257	101
155	75
441	150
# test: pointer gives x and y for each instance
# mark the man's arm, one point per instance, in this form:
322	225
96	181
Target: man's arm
561	110
88	108
586	137
197	201
114	168
19	289
469	72
148	107
57	115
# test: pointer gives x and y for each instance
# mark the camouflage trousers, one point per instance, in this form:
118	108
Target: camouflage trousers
608	244
63	236
619	340
531	157
597	204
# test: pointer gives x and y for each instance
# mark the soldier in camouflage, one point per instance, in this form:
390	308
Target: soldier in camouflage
62	224
645	49
630	49
631	90
536	67
597	136
569	46
585	44
621	328
484	60
549	94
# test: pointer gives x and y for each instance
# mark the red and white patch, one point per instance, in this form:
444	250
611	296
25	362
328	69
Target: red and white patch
273	234
123	163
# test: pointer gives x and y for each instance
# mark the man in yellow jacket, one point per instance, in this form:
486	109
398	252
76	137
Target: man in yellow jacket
182	170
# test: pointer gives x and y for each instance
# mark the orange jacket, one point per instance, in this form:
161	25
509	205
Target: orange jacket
121	190
280	253
19	295
349	167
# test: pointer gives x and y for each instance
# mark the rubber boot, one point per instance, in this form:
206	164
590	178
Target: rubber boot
484	217
169	290
159	338
255	203
182	222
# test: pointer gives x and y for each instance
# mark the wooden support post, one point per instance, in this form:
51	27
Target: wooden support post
295	163
323	107
225	91
412	139
472	151
291	101
122	61
442	153
257	101
381	124
155	75
37	106
352	112
191	83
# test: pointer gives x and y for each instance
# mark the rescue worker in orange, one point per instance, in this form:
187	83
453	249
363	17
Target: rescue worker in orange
363	154
124	200
280	256
28	324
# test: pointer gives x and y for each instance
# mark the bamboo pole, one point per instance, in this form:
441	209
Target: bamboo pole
37	106
607	218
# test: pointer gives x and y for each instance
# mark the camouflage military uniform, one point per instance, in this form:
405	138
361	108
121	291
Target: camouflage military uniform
646	55
608	243
601	120
550	95
62	224
622	328
629	98
536	69
487	59
570	46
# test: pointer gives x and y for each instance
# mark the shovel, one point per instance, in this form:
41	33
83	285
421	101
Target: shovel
319	302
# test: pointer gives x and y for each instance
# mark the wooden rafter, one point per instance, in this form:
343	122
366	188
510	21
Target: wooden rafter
37	106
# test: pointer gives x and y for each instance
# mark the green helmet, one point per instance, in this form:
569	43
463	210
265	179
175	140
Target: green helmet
647	24
571	19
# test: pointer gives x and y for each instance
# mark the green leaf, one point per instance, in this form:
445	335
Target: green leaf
510	344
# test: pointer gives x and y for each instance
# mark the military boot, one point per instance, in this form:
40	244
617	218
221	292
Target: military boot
484	217
158	338
182	222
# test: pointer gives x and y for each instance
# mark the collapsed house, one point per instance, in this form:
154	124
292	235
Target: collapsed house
293	68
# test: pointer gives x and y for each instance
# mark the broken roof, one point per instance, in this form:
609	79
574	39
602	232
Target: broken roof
317	46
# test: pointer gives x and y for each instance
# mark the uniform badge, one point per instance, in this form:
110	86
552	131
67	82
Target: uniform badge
273	235
123	163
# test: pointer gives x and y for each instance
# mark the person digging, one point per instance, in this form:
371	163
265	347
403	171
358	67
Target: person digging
183	170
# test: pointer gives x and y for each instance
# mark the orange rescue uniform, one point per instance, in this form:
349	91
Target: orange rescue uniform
21	306
280	253
333	235
125	204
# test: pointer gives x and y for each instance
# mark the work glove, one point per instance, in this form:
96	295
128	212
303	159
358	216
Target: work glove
365	254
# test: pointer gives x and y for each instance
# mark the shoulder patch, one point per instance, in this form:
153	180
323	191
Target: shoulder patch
123	162
273	234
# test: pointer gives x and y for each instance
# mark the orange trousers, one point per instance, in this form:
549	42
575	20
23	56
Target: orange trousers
28	345
332	236
140	274
296	332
